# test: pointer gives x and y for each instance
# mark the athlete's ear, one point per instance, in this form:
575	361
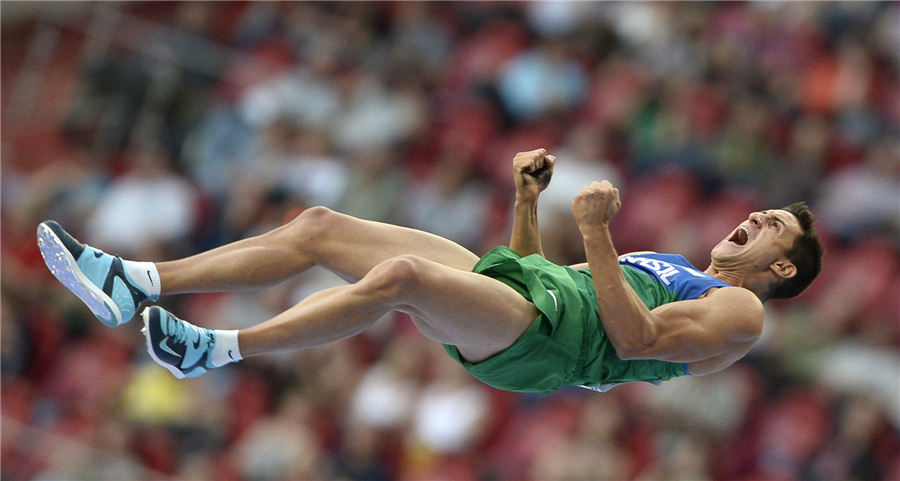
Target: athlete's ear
784	268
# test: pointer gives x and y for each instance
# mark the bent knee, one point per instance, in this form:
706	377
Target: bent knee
310	225
396	276
313	217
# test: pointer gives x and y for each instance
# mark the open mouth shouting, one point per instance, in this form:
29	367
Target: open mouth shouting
740	237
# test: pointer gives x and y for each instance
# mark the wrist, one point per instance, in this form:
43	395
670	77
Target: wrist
526	199
594	231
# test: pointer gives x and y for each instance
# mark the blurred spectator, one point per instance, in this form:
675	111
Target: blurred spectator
421	38
851	454
149	205
726	396
385	396
363	454
283	446
294	167
794	429
66	188
542	81
558	19
452	202
314	172
593	451
863	370
373	115
301	95
680	456
223	144
741	154
862	198
801	169
447	422
450	411
375	186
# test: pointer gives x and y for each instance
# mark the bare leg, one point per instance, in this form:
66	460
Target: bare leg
480	315
348	246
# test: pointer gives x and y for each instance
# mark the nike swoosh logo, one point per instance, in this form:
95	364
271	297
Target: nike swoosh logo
98	254
229	355
197	343
555	305
165	347
150	277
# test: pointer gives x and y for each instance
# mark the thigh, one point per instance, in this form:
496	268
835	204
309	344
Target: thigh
479	315
355	246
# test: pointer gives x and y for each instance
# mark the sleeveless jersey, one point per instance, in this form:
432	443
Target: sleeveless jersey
566	344
665	278
659	279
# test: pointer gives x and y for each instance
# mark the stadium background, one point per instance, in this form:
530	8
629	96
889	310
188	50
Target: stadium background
155	130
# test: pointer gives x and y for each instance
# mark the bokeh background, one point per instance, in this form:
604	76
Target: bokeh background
155	130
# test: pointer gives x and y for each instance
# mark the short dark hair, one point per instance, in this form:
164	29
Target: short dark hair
805	253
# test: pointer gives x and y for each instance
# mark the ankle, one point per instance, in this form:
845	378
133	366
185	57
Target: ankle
145	276
226	349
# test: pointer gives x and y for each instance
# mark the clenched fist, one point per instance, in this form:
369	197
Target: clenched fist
596	205
532	172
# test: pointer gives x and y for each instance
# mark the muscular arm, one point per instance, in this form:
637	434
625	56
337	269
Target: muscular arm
723	324
526	236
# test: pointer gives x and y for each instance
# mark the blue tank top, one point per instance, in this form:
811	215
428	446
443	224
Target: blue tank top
674	274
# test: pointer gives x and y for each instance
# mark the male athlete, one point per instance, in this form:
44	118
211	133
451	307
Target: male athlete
513	319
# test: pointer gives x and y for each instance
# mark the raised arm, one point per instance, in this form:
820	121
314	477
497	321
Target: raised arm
720	326
532	171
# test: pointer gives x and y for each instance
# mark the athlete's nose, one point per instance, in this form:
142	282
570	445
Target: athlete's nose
756	219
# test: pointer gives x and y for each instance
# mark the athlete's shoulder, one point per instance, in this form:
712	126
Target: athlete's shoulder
737	294
745	310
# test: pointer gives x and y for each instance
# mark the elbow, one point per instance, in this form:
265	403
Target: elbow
633	336
636	349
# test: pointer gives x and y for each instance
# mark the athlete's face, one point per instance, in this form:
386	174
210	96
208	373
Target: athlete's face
759	241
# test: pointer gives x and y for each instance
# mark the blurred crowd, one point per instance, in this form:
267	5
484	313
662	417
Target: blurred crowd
156	130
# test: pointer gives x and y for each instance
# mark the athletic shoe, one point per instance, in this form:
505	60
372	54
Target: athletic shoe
179	346
97	278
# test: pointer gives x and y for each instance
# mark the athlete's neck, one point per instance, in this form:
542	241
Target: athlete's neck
738	279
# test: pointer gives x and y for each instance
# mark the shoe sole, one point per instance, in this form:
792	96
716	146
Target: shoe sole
146	331
65	268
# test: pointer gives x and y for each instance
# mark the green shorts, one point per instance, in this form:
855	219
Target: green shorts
566	344
553	351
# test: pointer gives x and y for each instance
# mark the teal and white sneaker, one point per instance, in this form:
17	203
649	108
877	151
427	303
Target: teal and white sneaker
179	346
97	278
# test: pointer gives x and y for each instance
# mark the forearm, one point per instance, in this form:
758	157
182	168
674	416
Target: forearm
627	321
526	236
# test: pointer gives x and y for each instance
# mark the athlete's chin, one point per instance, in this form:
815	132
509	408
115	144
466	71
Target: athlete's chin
721	249
727	252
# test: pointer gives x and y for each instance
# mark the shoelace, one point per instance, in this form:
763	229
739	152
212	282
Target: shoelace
178	330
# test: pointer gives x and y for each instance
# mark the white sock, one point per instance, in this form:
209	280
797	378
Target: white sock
226	349
144	276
